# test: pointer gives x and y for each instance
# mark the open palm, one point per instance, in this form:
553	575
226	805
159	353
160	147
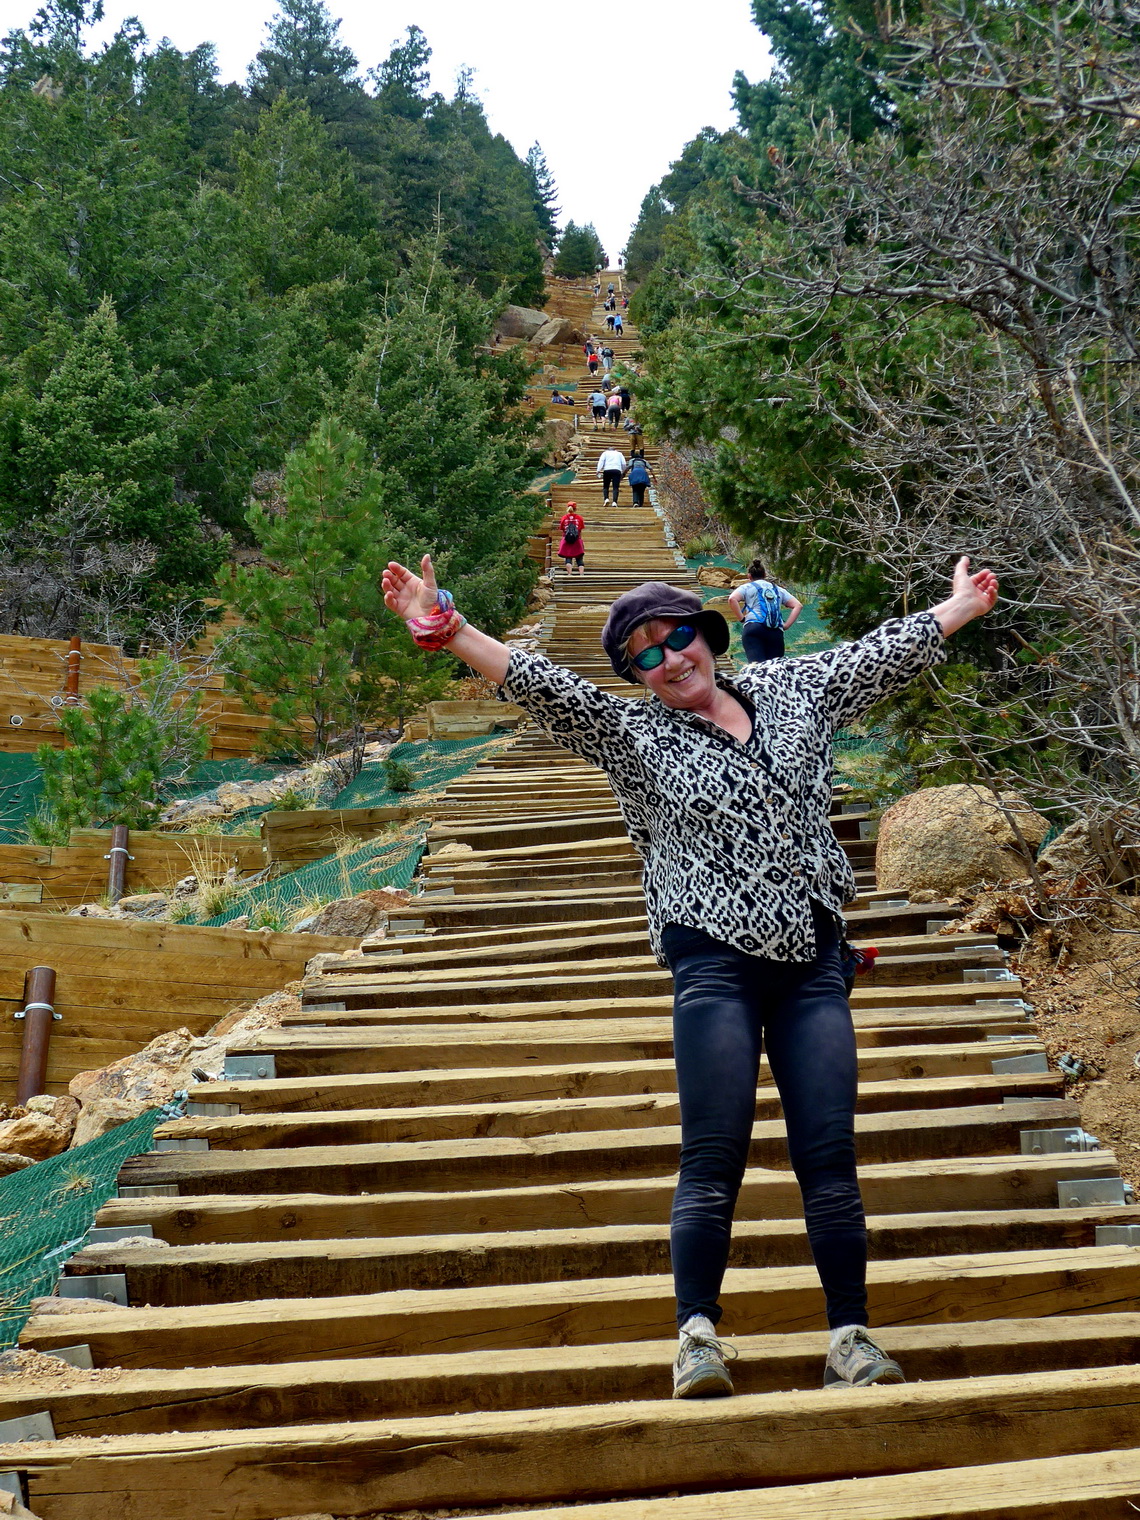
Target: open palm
407	594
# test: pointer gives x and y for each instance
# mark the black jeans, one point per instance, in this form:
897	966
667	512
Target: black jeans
761	642
611	481
638	493
726	1006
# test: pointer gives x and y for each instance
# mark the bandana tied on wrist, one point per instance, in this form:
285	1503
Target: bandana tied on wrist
433	630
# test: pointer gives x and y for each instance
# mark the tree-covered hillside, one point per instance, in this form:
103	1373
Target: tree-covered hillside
194	274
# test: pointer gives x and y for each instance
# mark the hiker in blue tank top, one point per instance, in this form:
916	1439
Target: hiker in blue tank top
760	604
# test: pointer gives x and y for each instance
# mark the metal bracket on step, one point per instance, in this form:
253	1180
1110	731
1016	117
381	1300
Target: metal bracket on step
1038	1065
105	1236
1085	1192
150	1190
988	974
249	1068
1019	1003
212	1110
935	925
29	1427
182	1143
74	1356
109	1286
1047	1142
1118	1235
869	828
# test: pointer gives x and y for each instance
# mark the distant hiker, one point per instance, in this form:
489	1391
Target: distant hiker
572	550
558	399
611	467
626	397
597	289
610	288
636	433
607	358
640	477
592	364
619	325
625	303
613	408
611	322
759	604
588	347
598	407
724	781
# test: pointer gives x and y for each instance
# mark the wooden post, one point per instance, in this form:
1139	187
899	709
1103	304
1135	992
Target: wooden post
118	856
38	1014
74	660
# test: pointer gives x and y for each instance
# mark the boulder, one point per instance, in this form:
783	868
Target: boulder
143	902
36	1136
555	330
520	322
147	1078
387	897
720	577
11	1162
557	433
100	1114
944	838
1071	853
352	917
64	1109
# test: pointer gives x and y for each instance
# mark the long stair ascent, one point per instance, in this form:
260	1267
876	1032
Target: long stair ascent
422	1263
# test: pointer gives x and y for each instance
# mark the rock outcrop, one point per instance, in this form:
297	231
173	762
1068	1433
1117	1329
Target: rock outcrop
520	322
944	838
556	330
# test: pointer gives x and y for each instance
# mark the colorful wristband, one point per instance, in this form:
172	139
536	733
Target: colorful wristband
434	630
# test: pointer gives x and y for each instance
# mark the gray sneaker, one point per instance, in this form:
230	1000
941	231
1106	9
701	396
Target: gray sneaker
857	1360
699	1371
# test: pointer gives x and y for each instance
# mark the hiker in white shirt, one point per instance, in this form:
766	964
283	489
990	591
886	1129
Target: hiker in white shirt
611	467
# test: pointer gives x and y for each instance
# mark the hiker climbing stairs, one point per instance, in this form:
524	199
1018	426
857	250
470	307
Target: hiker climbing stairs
423	1260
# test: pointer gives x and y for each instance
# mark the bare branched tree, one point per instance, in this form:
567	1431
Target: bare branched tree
992	241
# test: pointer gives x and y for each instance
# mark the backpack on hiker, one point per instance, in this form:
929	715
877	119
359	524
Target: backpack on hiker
767	604
570	533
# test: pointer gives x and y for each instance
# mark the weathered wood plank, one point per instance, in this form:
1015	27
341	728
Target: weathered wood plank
529	1455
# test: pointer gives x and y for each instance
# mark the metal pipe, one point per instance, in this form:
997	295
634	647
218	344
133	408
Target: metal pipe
74	660
118	856
38	1014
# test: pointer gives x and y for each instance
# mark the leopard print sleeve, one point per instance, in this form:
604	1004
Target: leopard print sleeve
573	711
879	664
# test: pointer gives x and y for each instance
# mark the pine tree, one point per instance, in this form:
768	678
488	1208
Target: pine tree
543	190
304	60
444	427
96	434
109	772
317	641
580	251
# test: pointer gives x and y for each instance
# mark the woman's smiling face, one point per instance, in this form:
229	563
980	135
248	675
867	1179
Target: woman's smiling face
686	677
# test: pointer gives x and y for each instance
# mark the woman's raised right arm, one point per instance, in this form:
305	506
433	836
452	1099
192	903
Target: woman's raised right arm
575	712
409	596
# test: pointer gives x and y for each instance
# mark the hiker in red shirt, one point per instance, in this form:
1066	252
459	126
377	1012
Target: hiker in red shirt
571	550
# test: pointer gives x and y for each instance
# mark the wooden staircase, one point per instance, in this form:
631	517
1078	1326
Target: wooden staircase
425	1263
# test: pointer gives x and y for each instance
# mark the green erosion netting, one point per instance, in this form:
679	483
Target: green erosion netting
47	1210
436	763
387	861
21	783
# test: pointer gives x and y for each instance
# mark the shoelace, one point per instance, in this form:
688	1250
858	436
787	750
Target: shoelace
703	1348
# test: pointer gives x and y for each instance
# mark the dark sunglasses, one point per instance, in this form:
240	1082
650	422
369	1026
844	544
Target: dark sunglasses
654	654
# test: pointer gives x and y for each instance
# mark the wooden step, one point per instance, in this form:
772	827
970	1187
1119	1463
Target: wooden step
189	1275
972	1183
756	1301
487	1456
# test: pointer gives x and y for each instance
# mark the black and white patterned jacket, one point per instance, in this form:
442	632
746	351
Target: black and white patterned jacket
734	837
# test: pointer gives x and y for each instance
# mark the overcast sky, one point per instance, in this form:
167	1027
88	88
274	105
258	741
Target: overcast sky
612	92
